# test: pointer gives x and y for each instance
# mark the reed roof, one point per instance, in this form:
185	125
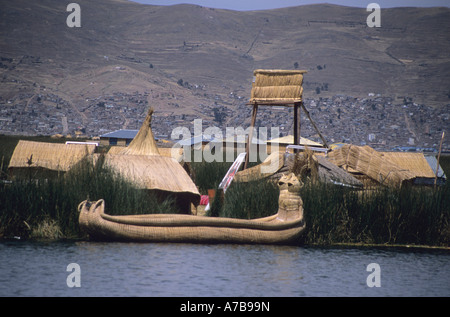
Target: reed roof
143	164
277	86
176	153
367	161
152	172
414	162
51	156
144	142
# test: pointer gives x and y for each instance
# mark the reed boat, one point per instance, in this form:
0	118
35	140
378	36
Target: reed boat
285	227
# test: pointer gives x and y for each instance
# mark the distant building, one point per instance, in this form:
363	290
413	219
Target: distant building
119	137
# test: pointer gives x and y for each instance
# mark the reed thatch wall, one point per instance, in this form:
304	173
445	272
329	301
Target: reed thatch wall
49	156
413	162
277	86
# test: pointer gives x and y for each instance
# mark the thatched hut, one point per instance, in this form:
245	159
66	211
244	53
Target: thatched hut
32	159
142	164
423	167
371	167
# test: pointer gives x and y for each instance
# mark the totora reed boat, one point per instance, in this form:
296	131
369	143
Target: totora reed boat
285	227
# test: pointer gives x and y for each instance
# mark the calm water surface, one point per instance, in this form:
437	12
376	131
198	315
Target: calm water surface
129	269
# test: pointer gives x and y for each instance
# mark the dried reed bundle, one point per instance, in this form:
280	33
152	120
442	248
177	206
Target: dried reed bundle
51	156
177	154
271	165
414	162
277	93
285	227
274	79
306	166
143	143
367	161
278	72
277	86
152	172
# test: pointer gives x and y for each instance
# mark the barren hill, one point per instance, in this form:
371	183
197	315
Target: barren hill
184	56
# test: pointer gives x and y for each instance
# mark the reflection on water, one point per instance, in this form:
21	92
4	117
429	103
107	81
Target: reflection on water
132	269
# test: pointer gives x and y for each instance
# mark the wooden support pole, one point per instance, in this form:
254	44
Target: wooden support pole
250	134
314	125
296	126
439	156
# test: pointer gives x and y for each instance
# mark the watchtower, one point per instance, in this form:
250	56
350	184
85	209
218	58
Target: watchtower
274	87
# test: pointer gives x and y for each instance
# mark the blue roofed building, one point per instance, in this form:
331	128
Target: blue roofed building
119	137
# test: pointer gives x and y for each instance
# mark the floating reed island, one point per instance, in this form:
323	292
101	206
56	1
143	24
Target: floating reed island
351	194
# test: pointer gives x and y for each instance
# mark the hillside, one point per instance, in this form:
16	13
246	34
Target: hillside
183	58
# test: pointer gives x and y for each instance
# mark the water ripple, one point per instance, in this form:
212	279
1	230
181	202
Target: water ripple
132	269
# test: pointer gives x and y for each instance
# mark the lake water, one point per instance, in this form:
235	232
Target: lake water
191	270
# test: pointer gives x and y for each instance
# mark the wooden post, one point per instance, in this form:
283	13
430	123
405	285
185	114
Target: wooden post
296	126
314	125
250	134
439	156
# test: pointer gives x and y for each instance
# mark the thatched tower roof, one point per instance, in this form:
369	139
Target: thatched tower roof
51	156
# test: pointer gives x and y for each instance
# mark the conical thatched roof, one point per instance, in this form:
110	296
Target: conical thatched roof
152	172
143	143
142	164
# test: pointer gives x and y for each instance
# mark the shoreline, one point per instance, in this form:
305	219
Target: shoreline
318	245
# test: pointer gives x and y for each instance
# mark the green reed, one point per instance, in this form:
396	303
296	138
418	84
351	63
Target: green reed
380	216
26	204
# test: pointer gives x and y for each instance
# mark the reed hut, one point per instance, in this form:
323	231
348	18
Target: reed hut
32	159
371	167
423	167
142	164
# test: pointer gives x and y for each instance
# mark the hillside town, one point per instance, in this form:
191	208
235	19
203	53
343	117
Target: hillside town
382	122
